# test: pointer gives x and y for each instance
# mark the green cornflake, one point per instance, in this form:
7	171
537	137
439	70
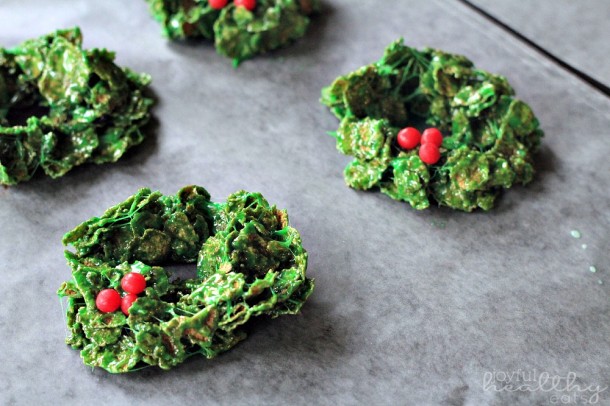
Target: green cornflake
63	106
250	263
490	136
575	234
237	32
592	269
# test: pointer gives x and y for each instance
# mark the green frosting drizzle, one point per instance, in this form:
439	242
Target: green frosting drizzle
62	106
490	136
250	263
237	33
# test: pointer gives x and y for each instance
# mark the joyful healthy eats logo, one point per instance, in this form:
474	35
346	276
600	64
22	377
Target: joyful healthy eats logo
561	389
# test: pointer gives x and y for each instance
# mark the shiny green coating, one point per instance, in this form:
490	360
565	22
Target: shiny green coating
62	106
250	263
237	33
490	137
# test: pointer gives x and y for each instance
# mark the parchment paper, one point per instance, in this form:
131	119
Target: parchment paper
432	307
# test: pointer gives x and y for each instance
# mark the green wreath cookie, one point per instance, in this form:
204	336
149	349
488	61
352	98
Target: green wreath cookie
62	106
124	312
240	28
489	135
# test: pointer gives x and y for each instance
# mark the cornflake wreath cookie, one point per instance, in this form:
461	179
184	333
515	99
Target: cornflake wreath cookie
62	106
478	139
125	312
240	29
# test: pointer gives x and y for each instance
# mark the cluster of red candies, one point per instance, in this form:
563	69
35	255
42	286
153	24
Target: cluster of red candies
431	140
109	300
220	4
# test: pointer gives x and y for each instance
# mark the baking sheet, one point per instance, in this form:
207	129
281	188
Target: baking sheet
577	32
432	307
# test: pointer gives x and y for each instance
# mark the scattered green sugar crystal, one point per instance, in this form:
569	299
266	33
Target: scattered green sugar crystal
62	106
575	234
592	269
249	263
439	224
490	136
237	32
584	246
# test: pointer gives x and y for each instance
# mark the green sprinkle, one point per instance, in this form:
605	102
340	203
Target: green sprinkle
584	246
600	282
592	269
575	233
439	224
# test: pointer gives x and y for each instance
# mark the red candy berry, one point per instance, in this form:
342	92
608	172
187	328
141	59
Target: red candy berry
429	153
408	138
432	136
133	282
108	301
127	301
218	4
248	4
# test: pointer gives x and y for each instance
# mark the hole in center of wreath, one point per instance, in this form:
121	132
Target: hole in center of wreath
19	103
181	272
19	116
